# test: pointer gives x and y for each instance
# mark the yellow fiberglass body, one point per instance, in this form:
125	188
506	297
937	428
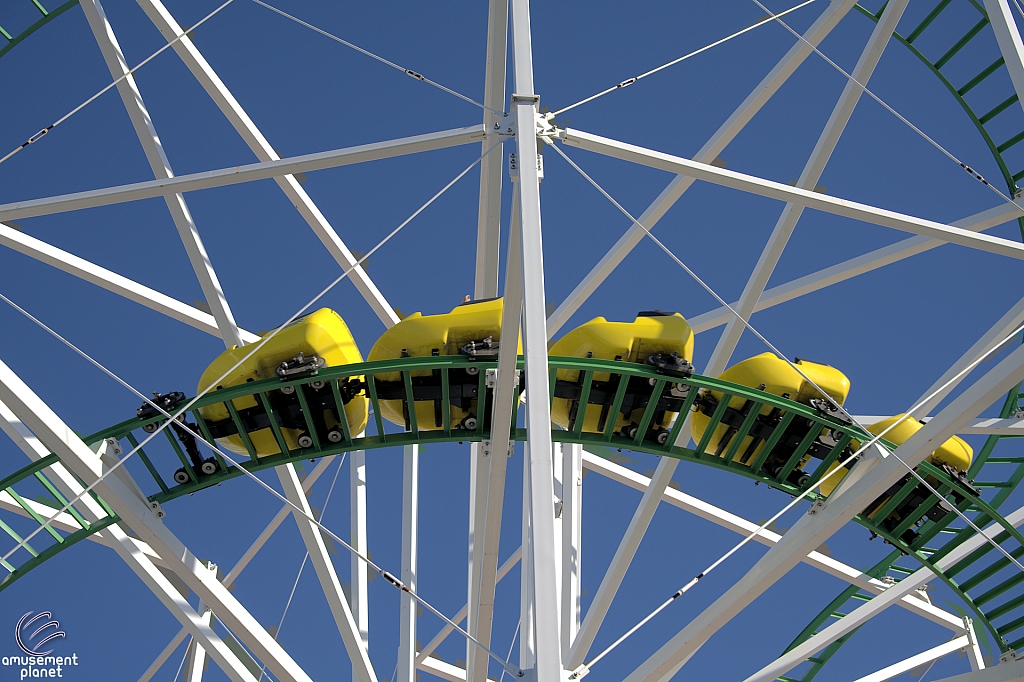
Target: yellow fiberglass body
955	452
650	334
773	375
322	334
419	335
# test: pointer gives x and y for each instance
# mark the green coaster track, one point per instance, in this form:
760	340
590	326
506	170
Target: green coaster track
46	16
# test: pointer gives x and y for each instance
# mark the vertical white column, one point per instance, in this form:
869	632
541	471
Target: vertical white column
572	501
527	650
410	554
357	521
538	411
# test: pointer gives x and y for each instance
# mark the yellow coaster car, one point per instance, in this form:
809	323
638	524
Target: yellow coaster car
954	457
472	329
660	339
770	373
320	339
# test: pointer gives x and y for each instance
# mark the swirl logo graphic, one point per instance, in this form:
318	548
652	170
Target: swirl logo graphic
32	636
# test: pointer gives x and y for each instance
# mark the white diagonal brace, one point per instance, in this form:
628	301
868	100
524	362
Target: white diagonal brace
1010	44
808	180
312	537
1010	671
925	657
229	106
995	427
410	560
543	596
134	553
113	282
848	269
492	167
870	609
870	478
738	524
757	98
796	195
492	464
146	132
83	463
237	174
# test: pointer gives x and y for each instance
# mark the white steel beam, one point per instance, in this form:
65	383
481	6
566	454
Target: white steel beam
757	98
113	282
572	538
410	558
492	464
136	513
492	167
738	524
360	572
134	553
870	609
869	478
146	132
857	266
458	618
906	665
1010	44
808	180
544	593
796	195
257	544
1009	671
273	168
312	538
232	110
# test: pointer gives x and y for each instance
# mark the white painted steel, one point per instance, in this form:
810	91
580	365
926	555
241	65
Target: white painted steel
796	195
908	664
492	167
572	542
757	98
146	132
870	609
808	180
1010	44
410	559
273	168
857	266
1011	671
195	656
313	539
360	573
113	282
544	593
738	524
869	478
973	649
492	464
232	110
40	432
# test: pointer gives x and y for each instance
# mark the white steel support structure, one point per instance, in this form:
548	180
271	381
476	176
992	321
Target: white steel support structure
856	266
543	596
492	465
144	128
38	431
360	572
572	536
906	665
229	106
796	195
1010	43
725	134
869	478
808	180
410	557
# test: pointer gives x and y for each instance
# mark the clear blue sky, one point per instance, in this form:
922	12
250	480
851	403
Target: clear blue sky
893	331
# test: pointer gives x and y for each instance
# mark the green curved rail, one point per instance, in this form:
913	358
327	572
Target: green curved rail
17	489
46	16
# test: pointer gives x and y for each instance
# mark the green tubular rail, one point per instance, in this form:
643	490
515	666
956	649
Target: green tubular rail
9	40
28	557
989	473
